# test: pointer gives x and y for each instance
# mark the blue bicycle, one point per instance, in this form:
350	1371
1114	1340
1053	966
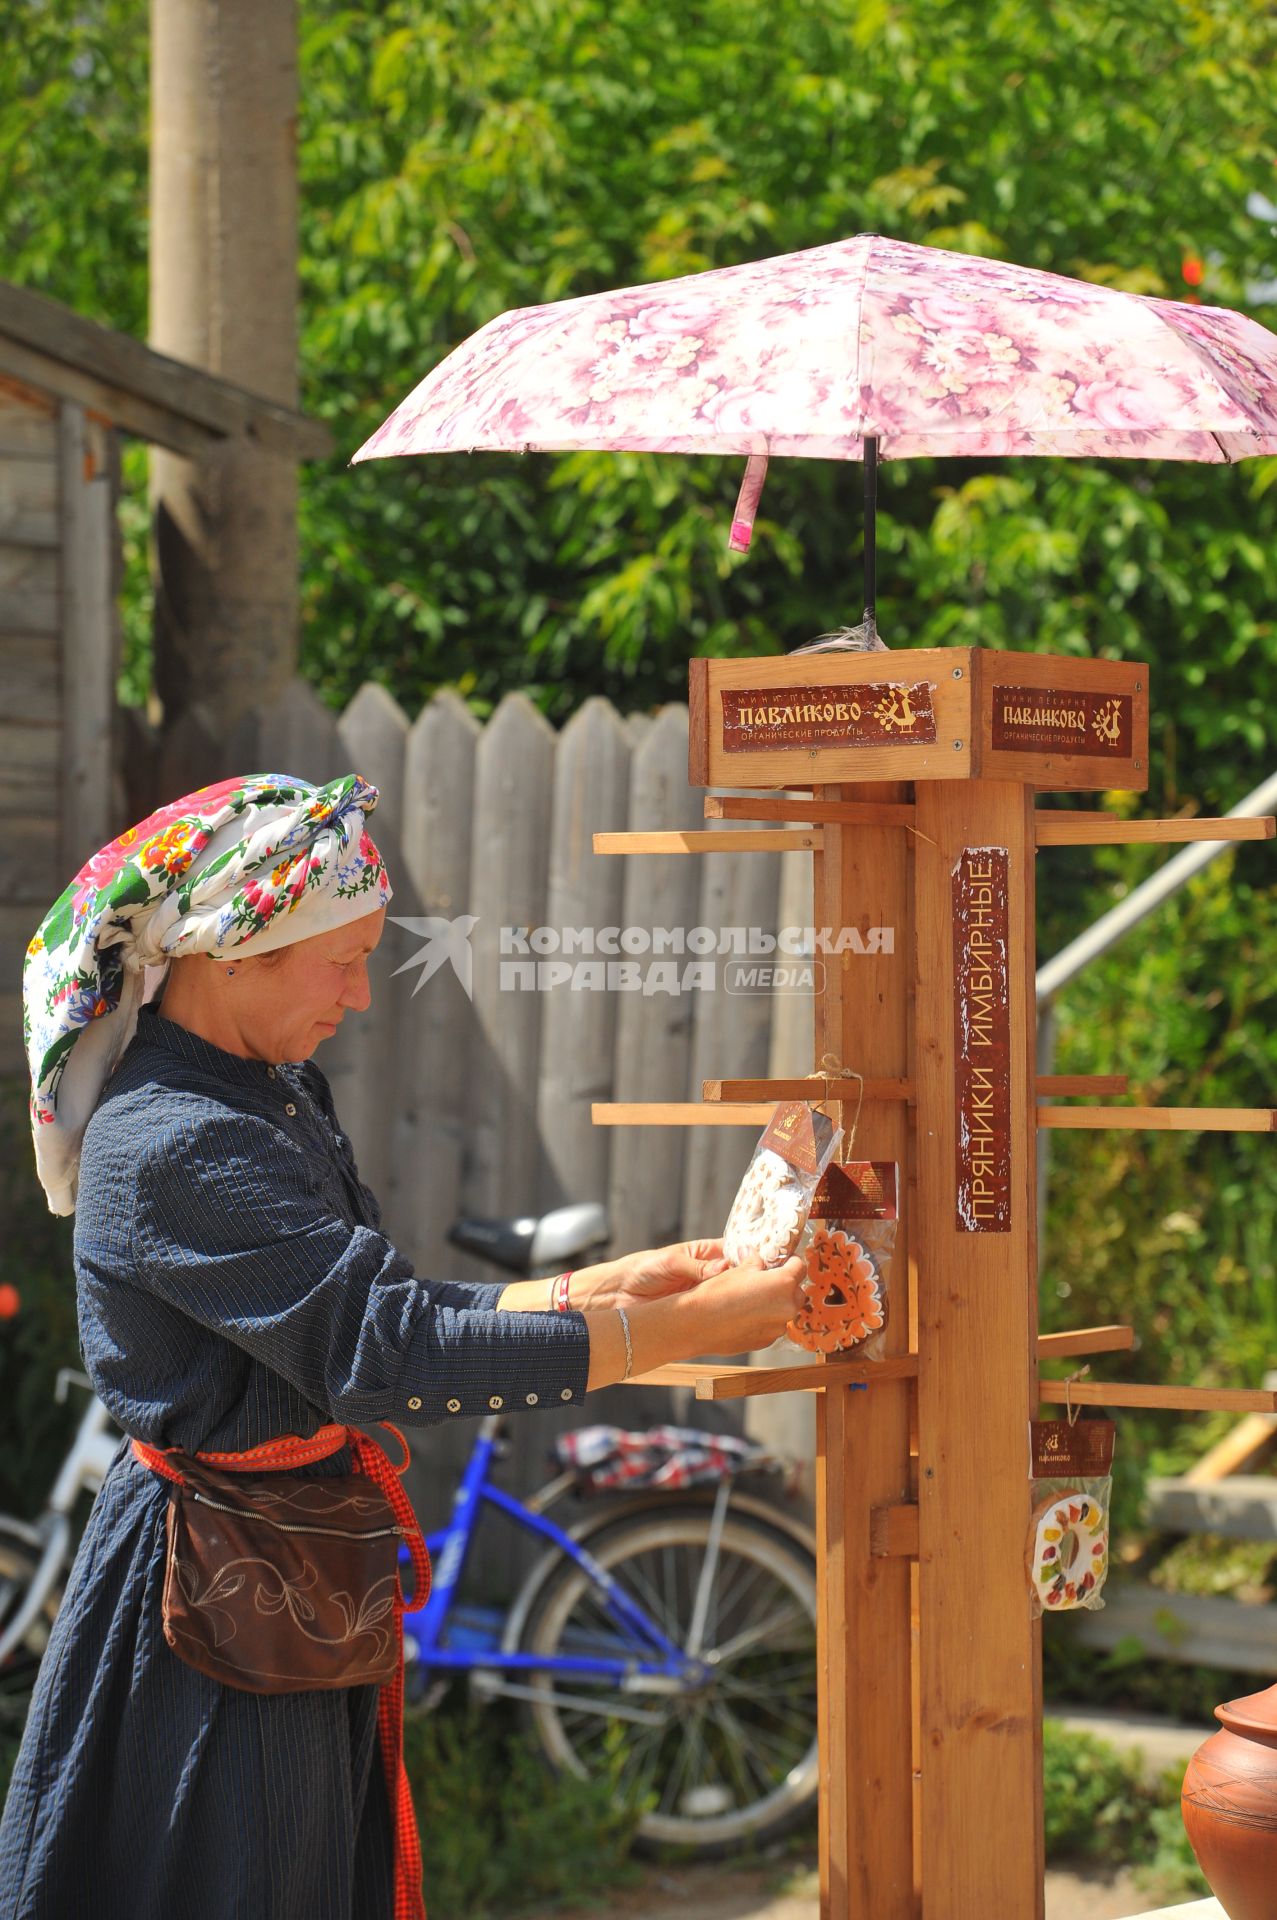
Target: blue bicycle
666	1641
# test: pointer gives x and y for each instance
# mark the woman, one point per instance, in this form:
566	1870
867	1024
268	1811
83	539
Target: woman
234	1287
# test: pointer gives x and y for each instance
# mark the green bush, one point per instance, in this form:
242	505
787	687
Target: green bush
499	1830
1096	1799
1100	1805
1127	1677
1172	1866
1173	1233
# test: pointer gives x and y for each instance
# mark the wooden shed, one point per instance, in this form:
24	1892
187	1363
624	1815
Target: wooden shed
68	390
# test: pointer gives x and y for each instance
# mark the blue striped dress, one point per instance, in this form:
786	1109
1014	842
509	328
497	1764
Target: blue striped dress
233	1284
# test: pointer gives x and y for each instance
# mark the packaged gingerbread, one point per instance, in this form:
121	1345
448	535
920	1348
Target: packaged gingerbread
770	1209
849	1246
1067	1557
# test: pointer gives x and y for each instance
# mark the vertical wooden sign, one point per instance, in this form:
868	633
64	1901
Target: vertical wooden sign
978	1663
982	1040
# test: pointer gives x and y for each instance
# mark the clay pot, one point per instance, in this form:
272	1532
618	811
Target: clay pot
1229	1803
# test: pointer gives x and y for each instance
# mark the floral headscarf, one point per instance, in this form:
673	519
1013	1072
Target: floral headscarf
251	863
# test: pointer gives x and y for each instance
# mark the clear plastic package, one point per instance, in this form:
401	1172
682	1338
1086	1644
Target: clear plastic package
1067	1556
850	1243
770	1209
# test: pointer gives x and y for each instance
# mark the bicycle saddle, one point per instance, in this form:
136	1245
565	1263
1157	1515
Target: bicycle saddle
528	1241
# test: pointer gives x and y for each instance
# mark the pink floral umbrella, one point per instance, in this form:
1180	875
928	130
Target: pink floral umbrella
865	349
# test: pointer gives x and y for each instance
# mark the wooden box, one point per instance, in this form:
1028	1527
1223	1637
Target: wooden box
951	713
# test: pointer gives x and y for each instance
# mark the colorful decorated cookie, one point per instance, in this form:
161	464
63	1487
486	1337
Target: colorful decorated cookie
1070	1550
846	1303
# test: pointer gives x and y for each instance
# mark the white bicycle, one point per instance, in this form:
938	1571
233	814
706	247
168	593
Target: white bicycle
36	1555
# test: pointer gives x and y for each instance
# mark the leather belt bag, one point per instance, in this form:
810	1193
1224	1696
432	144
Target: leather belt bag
279	1583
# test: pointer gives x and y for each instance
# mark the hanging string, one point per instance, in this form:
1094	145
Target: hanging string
1071	1411
831	1068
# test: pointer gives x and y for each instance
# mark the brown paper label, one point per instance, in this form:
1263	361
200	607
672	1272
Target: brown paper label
1083	1451
1071	722
876	713
982	1040
799	1135
857	1190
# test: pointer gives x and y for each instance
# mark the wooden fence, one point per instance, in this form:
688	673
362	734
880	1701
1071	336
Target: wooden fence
482	1105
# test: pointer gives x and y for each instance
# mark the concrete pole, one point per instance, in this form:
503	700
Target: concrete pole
224	296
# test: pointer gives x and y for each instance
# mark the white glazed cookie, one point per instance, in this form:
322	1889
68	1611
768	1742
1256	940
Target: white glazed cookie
769	1212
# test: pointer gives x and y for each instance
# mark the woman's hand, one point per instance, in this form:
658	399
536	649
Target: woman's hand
744	1308
652	1275
733	1310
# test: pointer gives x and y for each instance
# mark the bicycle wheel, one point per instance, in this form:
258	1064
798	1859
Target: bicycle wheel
731	1762
17	1676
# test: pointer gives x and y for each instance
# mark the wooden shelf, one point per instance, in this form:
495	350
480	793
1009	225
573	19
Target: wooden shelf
713	1381
693	840
679	1113
1238	1448
849	813
1054	829
840	1091
1105	830
1083	1086
1118	1393
1112	1339
1164	1119
751	1103
731	1381
847	1091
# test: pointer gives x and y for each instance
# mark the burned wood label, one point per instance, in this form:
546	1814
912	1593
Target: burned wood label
878	713
982	1040
1030	718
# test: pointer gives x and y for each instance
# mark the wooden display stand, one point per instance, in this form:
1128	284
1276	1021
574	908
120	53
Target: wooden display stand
921	769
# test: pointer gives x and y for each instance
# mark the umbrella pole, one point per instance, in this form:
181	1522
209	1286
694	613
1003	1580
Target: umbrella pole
871	530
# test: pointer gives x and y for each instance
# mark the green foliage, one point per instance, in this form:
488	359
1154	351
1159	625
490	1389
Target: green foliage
556	149
1171	1865
1096	1799
499	1831
1174	1232
1207	1563
458	159
1101	1805
73	164
1126	1678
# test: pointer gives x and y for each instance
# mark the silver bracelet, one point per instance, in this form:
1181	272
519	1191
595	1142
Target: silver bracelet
629	1344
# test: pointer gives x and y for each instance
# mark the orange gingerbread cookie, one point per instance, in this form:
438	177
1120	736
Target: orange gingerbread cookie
845	1302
